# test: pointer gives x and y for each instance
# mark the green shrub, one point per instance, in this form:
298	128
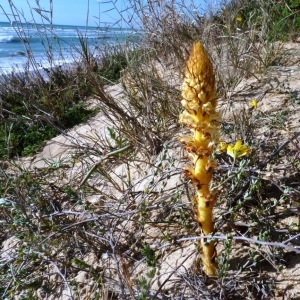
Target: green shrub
35	110
23	138
275	20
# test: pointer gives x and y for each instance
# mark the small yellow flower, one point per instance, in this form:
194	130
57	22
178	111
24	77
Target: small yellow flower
239	19
223	146
253	103
238	150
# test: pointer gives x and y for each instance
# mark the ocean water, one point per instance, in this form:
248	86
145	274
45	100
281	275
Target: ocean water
20	42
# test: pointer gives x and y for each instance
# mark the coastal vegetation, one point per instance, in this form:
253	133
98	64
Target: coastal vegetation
111	216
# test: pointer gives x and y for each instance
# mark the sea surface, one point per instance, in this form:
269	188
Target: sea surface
20	43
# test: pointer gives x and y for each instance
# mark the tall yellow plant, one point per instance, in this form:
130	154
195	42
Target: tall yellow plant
199	102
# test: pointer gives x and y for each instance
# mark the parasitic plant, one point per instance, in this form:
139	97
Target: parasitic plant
199	102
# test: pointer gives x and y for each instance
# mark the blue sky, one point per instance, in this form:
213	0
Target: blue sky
74	12
71	12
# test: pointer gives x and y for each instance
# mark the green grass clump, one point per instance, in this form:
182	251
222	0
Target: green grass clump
110	66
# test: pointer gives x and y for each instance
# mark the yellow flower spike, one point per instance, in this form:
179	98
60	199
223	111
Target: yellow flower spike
238	150
253	103
239	19
199	102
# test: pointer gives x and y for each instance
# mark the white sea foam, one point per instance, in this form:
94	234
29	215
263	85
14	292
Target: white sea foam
8	39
